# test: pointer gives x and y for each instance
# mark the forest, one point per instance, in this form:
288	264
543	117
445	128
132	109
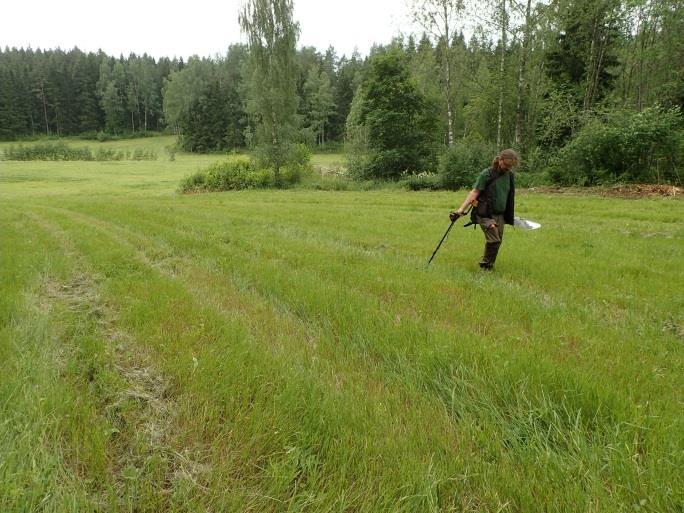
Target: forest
588	91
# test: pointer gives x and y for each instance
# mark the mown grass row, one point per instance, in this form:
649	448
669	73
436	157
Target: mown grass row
512	413
312	367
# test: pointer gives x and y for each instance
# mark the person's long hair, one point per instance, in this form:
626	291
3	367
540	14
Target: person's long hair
504	154
495	164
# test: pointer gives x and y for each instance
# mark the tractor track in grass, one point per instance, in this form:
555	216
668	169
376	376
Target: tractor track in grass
568	345
395	363
392	366
249	304
397	304
163	256
360	376
141	409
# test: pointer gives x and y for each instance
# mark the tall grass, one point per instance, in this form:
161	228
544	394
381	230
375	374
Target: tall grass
288	351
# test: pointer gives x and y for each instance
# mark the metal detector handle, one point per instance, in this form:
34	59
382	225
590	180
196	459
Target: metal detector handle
454	216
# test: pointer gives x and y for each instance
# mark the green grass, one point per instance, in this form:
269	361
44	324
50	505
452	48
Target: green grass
288	351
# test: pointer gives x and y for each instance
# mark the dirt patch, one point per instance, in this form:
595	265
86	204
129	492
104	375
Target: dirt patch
633	191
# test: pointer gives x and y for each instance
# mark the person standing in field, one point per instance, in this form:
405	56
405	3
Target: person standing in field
493	199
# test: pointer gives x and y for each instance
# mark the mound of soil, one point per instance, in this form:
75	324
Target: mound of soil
619	191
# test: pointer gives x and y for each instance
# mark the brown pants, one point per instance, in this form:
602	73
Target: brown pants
493	238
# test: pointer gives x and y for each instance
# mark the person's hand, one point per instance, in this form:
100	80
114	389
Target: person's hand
455	215
493	225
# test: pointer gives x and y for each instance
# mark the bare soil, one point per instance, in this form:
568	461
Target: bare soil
633	191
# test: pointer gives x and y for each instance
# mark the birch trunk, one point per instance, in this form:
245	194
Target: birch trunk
501	73
447	72
519	111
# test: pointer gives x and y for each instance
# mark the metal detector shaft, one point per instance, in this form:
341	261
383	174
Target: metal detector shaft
447	233
440	242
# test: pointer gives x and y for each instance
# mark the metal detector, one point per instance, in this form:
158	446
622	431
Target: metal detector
456	218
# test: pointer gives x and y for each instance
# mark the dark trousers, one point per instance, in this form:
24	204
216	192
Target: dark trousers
493	237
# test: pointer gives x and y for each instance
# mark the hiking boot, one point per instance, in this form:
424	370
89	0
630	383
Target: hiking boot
490	252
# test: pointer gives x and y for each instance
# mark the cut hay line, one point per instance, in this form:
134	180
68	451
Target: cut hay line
142	407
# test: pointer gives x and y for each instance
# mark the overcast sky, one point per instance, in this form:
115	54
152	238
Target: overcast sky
182	28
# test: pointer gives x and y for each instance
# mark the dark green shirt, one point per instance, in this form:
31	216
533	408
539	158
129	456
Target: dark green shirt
502	188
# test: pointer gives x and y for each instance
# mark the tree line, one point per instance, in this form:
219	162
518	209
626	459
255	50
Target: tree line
65	93
549	78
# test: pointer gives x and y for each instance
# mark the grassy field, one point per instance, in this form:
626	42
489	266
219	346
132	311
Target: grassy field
288	351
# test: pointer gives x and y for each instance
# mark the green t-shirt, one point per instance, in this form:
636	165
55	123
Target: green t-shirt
502	187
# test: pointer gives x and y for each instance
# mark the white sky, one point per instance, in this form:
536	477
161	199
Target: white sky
182	28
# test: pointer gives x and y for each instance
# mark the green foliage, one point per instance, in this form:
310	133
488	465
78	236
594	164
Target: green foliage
62	151
559	118
104	136
227	176
422	181
398	126
271	78
318	103
250	174
297	164
566	62
276	351
203	101
460	164
624	147
582	56
47	151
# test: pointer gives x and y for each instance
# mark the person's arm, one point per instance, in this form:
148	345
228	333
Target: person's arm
472	196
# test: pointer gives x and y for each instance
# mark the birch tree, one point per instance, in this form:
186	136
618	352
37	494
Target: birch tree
272	78
439	18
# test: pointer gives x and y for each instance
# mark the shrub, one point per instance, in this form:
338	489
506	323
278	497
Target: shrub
61	151
624	146
422	181
194	182
103	154
140	154
228	176
462	162
297	164
47	151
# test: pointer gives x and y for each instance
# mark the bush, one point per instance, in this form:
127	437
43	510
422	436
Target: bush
297	164
194	182
228	176
61	151
462	162
532	171
93	135
47	151
140	154
422	181
103	154
642	146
